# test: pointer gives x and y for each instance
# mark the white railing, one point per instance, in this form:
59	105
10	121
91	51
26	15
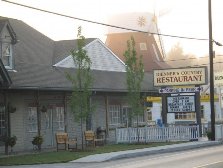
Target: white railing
157	134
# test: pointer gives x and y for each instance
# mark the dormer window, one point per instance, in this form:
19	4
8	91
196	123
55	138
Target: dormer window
7	55
7	41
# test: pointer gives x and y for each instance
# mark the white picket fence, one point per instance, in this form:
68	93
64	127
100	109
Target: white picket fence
157	134
219	132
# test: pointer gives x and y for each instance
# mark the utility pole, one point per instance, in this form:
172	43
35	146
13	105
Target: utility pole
211	74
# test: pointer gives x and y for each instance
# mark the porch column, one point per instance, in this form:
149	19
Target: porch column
7	118
164	109
38	114
106	114
65	112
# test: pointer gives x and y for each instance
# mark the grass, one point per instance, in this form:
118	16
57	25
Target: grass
66	156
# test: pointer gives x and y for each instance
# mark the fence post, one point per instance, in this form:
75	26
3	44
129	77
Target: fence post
146	134
221	132
129	136
116	139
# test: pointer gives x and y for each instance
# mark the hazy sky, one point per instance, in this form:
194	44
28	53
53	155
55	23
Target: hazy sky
180	17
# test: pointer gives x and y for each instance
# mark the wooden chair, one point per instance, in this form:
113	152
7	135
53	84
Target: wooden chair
89	138
72	143
63	139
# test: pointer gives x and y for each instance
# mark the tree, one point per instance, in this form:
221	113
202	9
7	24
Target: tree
176	52
134	78
82	81
177	57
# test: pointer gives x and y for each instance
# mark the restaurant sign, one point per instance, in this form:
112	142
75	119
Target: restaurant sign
176	77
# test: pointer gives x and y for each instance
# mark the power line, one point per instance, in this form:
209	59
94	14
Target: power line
103	24
196	65
190	58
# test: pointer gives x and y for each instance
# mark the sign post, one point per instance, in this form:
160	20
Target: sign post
187	98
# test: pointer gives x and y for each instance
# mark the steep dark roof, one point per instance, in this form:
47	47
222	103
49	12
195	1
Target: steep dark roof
3	21
35	55
46	77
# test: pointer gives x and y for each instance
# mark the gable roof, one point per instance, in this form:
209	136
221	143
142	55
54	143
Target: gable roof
4	23
35	54
101	57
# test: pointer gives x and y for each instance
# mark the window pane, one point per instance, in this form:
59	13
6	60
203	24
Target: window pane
114	114
6	54
60	118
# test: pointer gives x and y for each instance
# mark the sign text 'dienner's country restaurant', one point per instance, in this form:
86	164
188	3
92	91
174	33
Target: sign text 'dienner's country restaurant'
176	77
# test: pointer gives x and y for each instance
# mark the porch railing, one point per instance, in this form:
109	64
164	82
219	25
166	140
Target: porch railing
157	134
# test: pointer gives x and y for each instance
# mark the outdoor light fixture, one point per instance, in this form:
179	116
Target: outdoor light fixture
43	109
217	43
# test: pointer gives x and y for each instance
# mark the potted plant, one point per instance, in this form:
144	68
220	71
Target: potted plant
11	141
209	135
37	141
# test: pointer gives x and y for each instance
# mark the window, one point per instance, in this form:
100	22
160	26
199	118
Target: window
7	54
185	116
60	118
140	119
114	111
149	114
124	115
32	119
120	116
142	46
2	121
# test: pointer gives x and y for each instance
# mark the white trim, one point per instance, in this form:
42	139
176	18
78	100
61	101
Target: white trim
7	56
155	51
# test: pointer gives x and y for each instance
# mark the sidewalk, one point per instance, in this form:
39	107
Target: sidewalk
146	151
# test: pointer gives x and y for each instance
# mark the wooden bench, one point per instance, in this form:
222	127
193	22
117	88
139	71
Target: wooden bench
62	139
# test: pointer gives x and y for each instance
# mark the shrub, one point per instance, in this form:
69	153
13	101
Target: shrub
37	140
209	135
11	141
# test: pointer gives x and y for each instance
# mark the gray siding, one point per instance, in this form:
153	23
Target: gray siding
19	119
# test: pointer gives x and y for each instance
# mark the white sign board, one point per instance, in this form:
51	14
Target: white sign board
176	77
180	104
218	78
180	90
